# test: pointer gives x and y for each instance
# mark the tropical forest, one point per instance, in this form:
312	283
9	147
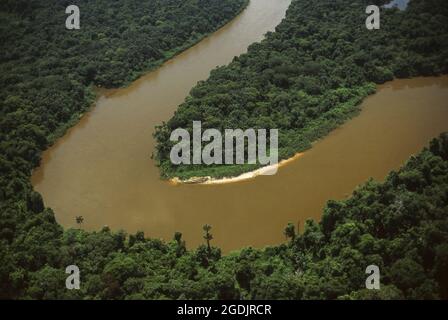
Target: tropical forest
86	178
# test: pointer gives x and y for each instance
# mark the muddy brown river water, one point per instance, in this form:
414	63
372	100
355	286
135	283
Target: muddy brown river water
101	169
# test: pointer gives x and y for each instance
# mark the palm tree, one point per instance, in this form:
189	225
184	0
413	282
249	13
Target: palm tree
79	220
290	232
208	236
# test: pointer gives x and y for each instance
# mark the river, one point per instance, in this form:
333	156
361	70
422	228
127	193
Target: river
400	4
102	170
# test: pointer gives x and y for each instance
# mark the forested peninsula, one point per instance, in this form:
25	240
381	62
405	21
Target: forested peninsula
310	75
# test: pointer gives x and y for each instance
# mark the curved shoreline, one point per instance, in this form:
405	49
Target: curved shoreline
208	180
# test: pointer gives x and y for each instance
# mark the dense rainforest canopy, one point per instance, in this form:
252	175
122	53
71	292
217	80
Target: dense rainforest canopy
46	73
310	75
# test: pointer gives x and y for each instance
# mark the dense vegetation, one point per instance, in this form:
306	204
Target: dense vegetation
310	75
400	225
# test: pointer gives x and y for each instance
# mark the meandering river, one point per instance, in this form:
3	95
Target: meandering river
101	169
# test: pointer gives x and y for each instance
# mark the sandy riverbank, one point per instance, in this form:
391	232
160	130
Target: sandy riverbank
243	177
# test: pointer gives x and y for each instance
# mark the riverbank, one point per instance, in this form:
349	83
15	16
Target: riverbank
93	92
242	177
